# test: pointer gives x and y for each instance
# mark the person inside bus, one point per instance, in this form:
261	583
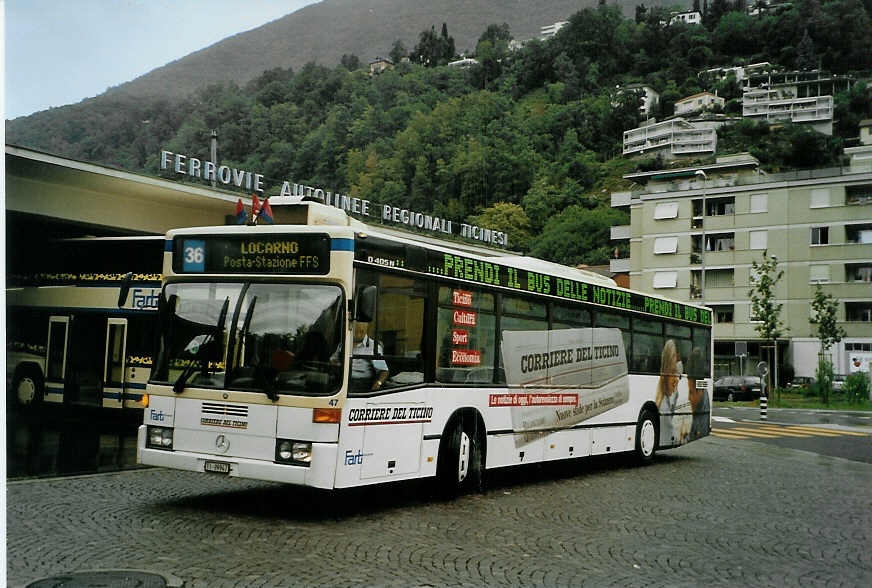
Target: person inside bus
281	357
366	374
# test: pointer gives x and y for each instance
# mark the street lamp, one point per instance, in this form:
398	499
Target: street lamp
701	173
775	342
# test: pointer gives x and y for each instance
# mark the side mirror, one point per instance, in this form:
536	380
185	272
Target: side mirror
124	290
364	304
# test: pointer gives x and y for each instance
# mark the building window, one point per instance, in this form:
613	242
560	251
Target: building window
720	242
696	213
723	313
858	194
665	279
858	346
757	239
720	206
666	210
665	245
715	278
861	233
759	202
719	278
820	198
819	273
753	318
858	272
858	312
820	235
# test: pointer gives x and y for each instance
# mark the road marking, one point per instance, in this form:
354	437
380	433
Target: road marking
753	432
720	419
827	432
783	431
728	435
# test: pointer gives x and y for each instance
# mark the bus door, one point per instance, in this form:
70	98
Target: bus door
56	358
115	363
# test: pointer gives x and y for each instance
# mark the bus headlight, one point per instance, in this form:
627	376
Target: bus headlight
159	438
293	452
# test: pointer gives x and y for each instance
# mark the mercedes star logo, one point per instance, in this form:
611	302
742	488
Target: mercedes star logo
222	443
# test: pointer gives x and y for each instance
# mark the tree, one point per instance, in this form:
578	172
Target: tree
824	307
764	307
642	12
398	51
509	218
350	62
433	50
806	58
495	33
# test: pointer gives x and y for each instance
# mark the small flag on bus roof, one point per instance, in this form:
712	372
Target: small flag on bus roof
240	212
266	212
255	206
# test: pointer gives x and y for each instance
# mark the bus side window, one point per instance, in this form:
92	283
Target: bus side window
466	336
520	314
400	328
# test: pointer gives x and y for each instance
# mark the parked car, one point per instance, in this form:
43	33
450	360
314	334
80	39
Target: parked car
801	382
838	382
737	388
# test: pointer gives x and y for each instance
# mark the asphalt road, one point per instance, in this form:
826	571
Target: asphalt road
718	512
835	433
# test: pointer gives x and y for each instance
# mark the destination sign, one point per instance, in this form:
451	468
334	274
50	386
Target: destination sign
489	273
267	254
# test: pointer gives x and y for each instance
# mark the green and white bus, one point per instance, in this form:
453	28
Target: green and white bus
333	354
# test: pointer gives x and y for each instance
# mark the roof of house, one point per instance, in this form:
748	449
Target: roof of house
697	96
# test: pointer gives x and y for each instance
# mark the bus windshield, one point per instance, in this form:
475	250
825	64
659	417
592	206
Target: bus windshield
253	336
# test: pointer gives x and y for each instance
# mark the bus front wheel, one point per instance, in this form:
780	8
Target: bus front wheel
646	436
27	387
460	464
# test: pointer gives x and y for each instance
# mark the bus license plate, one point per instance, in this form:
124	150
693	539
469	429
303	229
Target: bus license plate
218	467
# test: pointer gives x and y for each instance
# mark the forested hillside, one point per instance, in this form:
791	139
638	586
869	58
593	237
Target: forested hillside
523	137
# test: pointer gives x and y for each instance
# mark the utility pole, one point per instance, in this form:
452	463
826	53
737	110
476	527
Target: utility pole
214	154
699	172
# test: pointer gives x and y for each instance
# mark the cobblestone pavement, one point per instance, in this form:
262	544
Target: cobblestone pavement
713	513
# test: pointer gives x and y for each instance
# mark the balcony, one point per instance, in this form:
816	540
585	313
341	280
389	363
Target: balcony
619	265
620	232
621	199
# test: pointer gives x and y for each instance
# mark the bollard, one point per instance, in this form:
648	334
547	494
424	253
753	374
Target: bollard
763	408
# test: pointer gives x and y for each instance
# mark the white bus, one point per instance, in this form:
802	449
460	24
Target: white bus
67	339
333	354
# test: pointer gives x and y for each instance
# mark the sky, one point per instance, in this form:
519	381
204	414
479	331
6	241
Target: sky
59	52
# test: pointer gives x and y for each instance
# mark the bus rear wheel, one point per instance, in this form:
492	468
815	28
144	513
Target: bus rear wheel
646	436
27	387
460	465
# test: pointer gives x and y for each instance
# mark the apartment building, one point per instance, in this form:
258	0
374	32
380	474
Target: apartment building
548	31
782	105
692	17
740	72
694	233
670	139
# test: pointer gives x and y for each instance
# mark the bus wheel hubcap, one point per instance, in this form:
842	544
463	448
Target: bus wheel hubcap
463	461
26	390
646	437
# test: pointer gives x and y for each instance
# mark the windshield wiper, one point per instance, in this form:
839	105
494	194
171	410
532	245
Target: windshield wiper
202	352
179	384
233	349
